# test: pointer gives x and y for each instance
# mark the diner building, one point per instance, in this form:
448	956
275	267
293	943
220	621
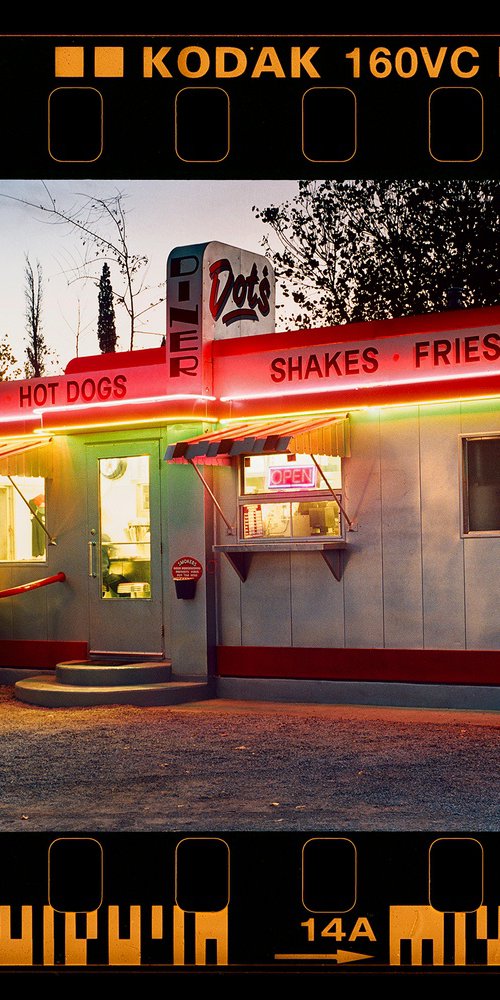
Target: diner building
311	515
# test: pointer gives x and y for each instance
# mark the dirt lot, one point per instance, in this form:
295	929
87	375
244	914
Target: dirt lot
224	765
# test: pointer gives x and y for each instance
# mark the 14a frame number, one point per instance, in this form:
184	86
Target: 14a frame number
335	929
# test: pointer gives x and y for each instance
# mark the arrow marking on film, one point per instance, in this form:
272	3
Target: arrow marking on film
338	956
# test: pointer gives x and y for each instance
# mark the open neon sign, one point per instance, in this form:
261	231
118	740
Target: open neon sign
291	477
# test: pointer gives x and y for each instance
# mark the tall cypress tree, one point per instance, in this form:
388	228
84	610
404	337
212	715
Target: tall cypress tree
106	329
36	348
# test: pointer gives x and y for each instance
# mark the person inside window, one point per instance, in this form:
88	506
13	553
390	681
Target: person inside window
37	507
110	580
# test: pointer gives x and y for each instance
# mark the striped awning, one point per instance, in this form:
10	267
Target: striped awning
325	435
26	457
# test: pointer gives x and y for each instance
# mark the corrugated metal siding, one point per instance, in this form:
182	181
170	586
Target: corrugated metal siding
410	580
442	546
401	533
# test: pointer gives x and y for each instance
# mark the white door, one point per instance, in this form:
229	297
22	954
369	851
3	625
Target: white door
124	548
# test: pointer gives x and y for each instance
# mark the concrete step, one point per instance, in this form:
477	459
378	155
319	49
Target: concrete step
46	690
84	673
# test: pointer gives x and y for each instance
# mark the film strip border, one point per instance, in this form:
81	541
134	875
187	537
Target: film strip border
172	901
250	106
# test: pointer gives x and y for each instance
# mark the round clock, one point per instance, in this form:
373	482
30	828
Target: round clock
113	468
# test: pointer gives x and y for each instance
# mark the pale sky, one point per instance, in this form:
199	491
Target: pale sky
160	216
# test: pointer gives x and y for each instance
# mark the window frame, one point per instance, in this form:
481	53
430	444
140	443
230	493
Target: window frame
465	531
299	496
35	560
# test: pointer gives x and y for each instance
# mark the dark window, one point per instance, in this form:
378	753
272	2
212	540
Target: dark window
481	484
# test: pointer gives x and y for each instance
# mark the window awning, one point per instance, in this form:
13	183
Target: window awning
325	435
26	457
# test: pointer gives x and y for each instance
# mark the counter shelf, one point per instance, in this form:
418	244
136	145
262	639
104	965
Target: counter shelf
239	554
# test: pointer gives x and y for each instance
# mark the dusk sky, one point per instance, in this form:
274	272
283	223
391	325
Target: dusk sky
160	215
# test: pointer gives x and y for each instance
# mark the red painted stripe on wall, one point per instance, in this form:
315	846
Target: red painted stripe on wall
40	654
438	666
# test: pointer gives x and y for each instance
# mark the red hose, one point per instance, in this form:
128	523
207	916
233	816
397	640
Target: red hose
58	578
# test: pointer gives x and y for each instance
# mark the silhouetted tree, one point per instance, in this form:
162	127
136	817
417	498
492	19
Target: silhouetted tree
366	249
36	348
9	366
106	329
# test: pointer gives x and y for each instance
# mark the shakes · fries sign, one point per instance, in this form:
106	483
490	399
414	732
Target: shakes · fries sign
388	360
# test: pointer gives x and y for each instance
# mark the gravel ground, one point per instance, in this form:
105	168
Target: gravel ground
225	765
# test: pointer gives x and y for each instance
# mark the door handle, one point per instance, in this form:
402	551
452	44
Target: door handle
92	571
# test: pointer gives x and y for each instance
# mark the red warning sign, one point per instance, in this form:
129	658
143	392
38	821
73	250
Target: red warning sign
187	568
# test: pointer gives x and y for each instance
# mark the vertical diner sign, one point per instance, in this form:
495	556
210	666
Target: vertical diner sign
214	291
184	330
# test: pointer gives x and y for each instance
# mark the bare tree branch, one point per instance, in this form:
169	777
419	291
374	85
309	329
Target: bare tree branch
9	366
101	226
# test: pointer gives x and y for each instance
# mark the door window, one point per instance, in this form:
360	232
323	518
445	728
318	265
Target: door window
125	565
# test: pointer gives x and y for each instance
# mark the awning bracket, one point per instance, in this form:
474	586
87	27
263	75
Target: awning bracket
351	524
52	540
240	561
334	559
230	528
240	555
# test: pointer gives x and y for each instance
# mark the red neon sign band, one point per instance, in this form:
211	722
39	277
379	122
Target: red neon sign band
348	386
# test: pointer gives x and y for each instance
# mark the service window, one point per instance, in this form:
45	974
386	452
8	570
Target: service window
285	496
22	538
481	484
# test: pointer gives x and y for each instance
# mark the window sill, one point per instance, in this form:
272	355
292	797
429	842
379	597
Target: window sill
26	563
239	554
494	533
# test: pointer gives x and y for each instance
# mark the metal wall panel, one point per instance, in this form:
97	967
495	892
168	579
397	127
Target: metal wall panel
228	582
67	520
6	629
442	546
317	602
165	434
401	533
480	416
364	616
482	562
184	513
482	555
29	610
265	601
